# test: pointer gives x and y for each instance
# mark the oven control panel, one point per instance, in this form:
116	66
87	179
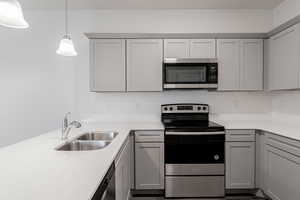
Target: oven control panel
185	108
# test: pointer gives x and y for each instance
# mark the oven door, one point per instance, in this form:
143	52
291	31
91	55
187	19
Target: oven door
190	75
194	165
194	148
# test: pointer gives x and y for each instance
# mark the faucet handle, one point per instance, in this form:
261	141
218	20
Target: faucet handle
66	120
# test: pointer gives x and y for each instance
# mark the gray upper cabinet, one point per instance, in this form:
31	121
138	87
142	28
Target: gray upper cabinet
285	59
176	48
229	59
107	65
203	48
267	61
144	64
240	64
135	65
190	48
251	68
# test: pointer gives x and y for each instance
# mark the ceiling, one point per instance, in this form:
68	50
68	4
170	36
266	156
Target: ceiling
152	4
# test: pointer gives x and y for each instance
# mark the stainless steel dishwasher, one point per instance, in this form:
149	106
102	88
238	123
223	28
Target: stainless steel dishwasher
106	190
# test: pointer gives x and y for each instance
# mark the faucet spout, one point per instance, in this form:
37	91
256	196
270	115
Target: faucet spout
66	127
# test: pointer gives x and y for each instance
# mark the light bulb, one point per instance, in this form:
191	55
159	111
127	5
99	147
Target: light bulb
66	47
11	14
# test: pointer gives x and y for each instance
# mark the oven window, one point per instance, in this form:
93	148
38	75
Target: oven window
186	149
185	74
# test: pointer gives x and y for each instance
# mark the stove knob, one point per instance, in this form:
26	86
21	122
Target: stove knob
166	108
204	108
171	108
199	108
217	157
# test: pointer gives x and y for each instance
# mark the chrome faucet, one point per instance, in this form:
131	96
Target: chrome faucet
66	127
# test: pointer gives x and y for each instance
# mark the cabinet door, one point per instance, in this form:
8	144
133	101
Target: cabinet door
107	65
149	165
267	65
123	173
285	59
203	48
240	165
229	64
260	172
144	65
251	68
176	48
283	174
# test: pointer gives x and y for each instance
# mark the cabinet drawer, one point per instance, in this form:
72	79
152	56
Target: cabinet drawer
240	135
283	143
194	186
149	136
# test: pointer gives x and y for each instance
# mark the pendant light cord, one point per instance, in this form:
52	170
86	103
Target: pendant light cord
66	18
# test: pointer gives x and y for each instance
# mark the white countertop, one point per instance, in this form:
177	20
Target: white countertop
286	126
34	170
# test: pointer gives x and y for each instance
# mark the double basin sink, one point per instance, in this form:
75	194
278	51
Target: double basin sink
89	141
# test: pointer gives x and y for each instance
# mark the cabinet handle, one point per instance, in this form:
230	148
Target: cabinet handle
149	134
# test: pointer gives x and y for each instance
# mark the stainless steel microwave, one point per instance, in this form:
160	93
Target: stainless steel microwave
189	73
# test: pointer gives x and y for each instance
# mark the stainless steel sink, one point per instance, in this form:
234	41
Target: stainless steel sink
77	145
96	136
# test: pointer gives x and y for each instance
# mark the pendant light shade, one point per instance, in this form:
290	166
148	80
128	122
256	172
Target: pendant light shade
66	46
11	14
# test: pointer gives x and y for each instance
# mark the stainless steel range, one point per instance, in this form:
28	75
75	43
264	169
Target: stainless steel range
194	152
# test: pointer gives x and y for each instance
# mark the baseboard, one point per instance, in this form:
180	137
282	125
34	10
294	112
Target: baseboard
241	191
258	193
148	193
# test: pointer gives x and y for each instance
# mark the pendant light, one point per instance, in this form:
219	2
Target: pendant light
66	46
11	14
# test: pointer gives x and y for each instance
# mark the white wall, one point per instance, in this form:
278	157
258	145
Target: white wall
147	105
38	86
199	21
287	10
286	102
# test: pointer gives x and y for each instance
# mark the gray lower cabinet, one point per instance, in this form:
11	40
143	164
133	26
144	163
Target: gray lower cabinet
123	172
282	164
149	161
240	165
260	172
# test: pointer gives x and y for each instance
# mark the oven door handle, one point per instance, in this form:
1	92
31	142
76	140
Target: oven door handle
195	133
